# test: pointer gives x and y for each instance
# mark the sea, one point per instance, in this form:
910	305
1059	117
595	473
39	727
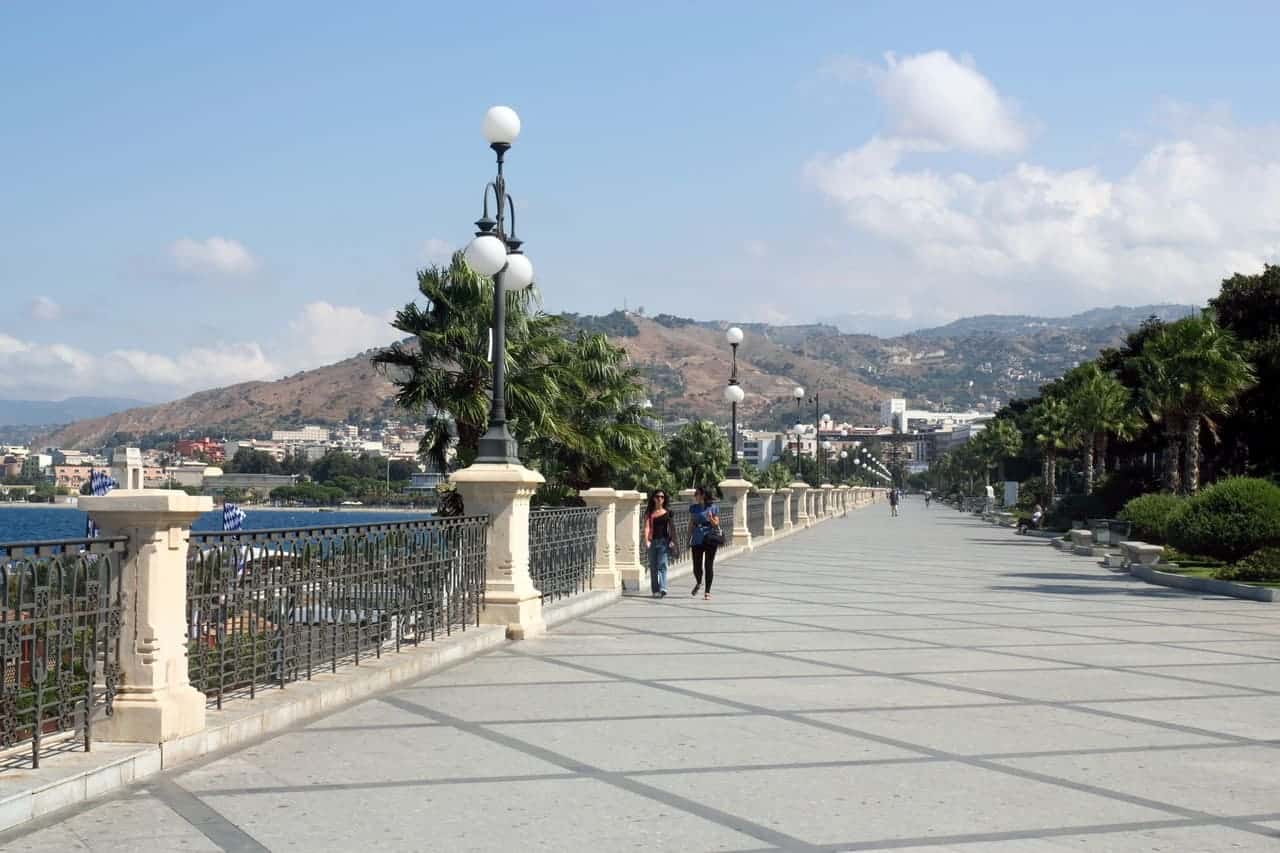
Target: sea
34	523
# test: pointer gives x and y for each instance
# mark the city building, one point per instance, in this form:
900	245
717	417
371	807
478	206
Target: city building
36	466
207	448
262	484
305	435
761	449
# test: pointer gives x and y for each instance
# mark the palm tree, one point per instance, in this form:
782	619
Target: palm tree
442	370
1001	440
1099	407
698	454
1053	435
1190	372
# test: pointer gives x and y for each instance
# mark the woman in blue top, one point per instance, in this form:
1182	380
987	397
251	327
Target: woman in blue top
704	519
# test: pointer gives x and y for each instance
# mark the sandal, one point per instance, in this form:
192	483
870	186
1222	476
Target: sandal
706	596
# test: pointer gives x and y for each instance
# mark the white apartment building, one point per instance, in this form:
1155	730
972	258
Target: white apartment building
306	435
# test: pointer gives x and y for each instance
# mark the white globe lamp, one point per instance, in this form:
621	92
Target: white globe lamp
486	255
519	272
501	126
733	336
734	394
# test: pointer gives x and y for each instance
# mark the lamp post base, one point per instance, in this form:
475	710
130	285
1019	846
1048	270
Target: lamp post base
498	447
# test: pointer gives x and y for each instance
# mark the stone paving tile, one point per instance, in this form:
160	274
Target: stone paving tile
1258	675
965	636
543	701
1255	717
1006	728
717	665
936	660
1192	839
1130	654
879	803
1227	781
699	742
550	815
833	692
139	824
1269	649
1081	684
800	640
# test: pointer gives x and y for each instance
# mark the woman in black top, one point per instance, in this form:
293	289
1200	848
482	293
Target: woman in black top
657	540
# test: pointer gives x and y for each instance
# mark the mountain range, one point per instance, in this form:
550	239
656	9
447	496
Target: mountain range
44	412
976	362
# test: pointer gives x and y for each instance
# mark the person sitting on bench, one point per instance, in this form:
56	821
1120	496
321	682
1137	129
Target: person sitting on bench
1037	517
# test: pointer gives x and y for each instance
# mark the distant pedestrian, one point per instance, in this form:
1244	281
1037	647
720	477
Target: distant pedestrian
893	503
658	541
705	538
928	498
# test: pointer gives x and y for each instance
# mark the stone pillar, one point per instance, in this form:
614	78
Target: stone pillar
736	491
768	496
155	702
502	492
606	575
686	495
785	494
800	494
126	468
628	537
845	500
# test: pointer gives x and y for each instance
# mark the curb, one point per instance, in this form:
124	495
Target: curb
1209	585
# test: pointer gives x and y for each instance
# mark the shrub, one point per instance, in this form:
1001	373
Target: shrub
1075	508
1150	516
1261	565
1119	487
1229	520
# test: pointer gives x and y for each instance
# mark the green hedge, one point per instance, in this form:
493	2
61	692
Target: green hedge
1150	516
1229	520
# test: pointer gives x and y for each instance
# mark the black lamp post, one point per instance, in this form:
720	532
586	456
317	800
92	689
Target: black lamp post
495	252
733	395
798	393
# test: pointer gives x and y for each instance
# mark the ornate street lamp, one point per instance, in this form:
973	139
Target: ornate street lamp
844	464
798	393
733	395
826	456
495	252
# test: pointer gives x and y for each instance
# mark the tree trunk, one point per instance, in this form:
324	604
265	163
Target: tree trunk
1102	454
1191	482
1172	475
1051	482
1088	467
1000	473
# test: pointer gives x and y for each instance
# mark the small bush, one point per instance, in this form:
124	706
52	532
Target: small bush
1150	516
1262	565
1229	520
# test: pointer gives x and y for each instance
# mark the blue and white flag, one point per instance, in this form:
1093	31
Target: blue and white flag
100	482
232	517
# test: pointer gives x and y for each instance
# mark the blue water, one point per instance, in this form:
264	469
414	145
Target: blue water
25	524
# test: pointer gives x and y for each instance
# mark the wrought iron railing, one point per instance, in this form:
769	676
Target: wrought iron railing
779	513
59	637
268	607
755	514
562	549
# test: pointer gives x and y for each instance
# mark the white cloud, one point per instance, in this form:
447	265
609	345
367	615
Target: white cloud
44	308
217	255
935	98
437	251
1202	201
321	334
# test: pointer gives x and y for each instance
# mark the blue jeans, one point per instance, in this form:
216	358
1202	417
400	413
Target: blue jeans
658	566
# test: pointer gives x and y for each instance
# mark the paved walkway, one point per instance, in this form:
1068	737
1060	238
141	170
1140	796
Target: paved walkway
920	683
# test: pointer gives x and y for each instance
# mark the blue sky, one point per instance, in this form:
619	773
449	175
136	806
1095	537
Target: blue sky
199	196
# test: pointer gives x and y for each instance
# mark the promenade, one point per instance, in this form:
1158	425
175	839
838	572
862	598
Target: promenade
922	683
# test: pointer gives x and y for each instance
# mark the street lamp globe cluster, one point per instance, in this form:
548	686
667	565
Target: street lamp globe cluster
496	252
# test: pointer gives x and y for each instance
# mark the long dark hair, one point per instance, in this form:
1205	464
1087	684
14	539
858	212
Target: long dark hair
653	501
708	494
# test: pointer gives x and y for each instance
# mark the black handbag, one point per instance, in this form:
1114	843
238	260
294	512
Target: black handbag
713	537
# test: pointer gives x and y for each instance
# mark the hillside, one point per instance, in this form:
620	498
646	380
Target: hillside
973	363
326	395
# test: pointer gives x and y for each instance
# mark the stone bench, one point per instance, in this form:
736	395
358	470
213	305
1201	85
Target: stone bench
1006	519
1141	552
1082	542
